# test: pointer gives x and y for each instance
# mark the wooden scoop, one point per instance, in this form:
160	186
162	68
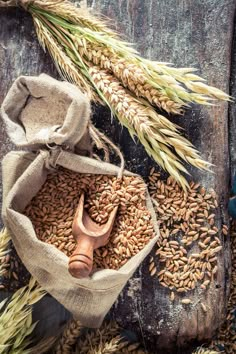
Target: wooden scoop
89	236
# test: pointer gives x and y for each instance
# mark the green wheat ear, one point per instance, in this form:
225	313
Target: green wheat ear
16	319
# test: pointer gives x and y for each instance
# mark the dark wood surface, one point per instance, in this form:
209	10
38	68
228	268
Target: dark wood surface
185	33
232	109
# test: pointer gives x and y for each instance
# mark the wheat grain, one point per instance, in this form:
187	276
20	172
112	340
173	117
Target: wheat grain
68	337
52	211
64	42
186	301
130	75
200	266
177	212
159	76
81	23
154	131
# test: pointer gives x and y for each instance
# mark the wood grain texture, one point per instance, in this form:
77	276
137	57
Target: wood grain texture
196	34
232	110
20	54
186	33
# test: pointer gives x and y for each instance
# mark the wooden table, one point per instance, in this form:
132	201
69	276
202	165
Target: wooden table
185	33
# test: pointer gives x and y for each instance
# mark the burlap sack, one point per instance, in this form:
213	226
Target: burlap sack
62	121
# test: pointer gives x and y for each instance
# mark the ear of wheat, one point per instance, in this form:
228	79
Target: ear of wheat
97	45
81	44
105	340
4	248
202	350
158	135
68	337
16	319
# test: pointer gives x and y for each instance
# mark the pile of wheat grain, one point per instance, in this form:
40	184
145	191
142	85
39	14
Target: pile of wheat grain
52	211
188	248
189	243
183	219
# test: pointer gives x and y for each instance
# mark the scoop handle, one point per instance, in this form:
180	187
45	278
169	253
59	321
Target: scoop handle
81	260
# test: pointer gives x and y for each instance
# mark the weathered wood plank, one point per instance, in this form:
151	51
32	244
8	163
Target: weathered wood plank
199	35
20	54
232	110
187	34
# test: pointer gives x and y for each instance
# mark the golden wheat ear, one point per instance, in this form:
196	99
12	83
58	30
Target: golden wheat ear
109	70
5	239
107	339
68	338
16	319
202	350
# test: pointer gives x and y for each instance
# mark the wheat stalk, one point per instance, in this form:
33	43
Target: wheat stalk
92	338
154	131
76	15
158	86
159	76
68	337
144	83
43	346
157	134
201	350
163	91
64	64
106	340
151	129
4	248
192	81
79	23
4	243
72	41
16	318
130	75
135	351
107	347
